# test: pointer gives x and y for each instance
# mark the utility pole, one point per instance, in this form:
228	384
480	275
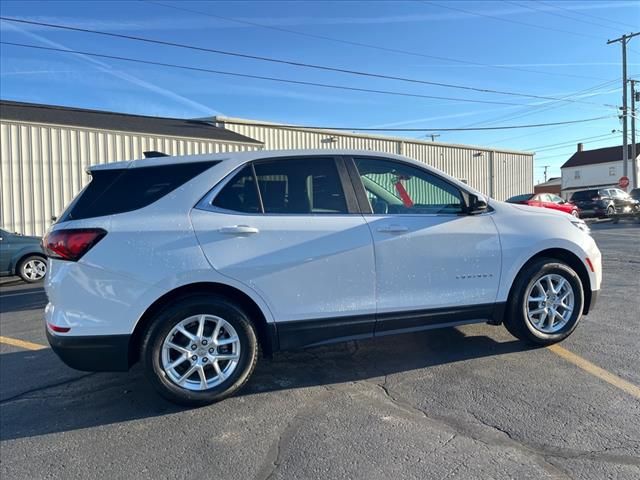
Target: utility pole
434	136
634	154
545	171
625	144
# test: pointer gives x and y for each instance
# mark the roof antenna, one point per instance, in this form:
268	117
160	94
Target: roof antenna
154	154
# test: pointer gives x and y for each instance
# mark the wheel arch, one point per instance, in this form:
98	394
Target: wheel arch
571	259
266	332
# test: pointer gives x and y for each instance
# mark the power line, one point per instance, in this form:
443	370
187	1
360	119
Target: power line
567	143
288	62
575	12
536	109
508	20
430	129
359	44
257	77
560	15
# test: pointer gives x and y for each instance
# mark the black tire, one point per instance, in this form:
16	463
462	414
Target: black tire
611	211
162	325
24	270
517	321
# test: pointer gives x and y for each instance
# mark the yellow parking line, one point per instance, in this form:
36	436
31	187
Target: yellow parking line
596	371
21	343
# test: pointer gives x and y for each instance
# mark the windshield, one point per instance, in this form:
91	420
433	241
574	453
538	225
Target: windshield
520	198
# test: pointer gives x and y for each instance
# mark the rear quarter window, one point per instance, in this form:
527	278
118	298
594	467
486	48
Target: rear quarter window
115	191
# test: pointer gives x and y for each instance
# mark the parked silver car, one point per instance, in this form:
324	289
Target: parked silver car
23	256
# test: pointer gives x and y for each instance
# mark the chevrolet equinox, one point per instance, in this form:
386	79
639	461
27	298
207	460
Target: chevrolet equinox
193	265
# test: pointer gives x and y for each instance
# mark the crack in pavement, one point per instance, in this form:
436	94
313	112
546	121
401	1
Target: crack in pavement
276	450
20	396
541	453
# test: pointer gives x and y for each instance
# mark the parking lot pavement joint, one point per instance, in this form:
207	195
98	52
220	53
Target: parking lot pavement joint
26	395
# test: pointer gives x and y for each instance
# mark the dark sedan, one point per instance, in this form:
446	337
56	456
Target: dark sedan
23	256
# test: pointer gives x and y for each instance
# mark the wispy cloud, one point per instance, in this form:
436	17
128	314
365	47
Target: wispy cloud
188	21
132	79
34	72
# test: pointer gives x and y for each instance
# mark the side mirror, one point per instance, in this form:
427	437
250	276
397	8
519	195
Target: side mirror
476	205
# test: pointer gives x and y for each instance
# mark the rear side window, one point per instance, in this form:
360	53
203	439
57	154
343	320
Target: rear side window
285	186
240	194
115	191
584	195
299	186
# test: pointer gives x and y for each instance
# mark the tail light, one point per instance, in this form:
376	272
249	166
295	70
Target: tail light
71	244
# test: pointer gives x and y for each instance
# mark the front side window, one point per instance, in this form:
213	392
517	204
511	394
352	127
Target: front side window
398	188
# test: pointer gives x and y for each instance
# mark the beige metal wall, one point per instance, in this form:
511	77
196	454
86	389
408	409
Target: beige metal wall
42	167
500	174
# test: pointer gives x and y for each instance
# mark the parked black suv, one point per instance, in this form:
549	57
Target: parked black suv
604	202
635	194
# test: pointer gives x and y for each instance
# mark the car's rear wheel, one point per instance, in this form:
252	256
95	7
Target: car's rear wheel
611	211
546	302
32	269
200	350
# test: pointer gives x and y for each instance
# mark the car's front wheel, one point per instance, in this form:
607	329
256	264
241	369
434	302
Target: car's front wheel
32	269
546	302
200	350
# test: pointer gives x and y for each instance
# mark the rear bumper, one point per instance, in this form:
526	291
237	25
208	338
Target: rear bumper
99	353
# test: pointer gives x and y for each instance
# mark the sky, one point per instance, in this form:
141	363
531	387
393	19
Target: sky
526	49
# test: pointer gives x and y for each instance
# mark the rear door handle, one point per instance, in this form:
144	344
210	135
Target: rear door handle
239	230
393	229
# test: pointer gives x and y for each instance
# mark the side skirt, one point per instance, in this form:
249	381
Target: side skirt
310	333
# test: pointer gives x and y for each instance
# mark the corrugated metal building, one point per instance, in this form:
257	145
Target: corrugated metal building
499	173
46	149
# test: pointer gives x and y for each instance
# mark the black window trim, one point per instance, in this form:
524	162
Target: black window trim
206	203
365	205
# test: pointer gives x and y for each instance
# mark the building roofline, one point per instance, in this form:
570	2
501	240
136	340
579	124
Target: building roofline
258	123
102	120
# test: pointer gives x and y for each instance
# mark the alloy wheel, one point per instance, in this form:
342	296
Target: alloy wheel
200	352
34	269
550	303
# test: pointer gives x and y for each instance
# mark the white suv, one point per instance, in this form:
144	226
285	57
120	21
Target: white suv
193	264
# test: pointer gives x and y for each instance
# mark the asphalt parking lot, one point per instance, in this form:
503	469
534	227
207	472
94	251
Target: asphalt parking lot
467	402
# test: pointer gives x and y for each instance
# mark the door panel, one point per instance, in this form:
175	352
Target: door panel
440	261
304	265
429	255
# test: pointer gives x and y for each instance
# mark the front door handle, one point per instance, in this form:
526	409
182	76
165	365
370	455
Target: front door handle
393	229
239	230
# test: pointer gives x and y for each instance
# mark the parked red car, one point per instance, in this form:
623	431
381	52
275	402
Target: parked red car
545	200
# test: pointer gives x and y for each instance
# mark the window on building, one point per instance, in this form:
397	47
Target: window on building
612	171
576	175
